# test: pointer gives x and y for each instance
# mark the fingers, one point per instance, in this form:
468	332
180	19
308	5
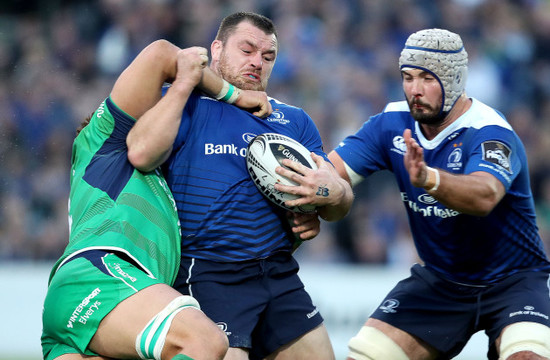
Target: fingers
265	109
307	226
414	151
256	102
414	160
309	234
190	64
203	60
319	160
407	135
292	170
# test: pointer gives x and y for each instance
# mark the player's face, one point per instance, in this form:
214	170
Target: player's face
424	95
247	57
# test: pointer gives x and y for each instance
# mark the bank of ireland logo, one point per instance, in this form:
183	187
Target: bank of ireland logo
399	145
427	199
389	306
454	161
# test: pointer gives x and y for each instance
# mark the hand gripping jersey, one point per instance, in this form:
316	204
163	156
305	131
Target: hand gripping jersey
463	248
222	214
113	206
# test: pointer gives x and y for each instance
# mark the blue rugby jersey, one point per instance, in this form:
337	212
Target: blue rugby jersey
223	215
463	248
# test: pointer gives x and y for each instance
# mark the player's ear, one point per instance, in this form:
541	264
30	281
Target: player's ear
216	49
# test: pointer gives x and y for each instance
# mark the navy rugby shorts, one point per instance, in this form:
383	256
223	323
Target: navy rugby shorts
445	314
260	304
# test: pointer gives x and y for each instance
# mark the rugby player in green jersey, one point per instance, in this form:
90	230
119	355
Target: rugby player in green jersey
109	294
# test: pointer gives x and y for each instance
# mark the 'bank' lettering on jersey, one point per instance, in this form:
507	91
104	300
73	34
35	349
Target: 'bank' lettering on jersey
223	215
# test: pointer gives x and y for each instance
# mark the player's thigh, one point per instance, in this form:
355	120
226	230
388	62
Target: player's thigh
414	347
117	332
313	344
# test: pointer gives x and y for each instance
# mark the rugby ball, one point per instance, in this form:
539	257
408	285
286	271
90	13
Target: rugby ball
267	151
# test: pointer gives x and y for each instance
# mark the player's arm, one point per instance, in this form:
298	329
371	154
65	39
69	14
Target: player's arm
324	188
475	194
138	91
251	100
338	163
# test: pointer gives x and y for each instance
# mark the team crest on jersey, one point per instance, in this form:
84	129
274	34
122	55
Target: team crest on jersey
247	137
399	145
454	161
278	116
497	153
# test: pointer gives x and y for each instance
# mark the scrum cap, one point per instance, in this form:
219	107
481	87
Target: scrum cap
441	53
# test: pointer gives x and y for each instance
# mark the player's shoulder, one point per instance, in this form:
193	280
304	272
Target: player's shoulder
281	105
393	117
481	115
396	107
285	113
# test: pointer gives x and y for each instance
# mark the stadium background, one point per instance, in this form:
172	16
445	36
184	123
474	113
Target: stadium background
338	60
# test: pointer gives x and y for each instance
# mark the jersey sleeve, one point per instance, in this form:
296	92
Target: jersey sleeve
186	118
362	151
497	151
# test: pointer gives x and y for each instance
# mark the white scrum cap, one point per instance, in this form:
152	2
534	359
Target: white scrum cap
441	53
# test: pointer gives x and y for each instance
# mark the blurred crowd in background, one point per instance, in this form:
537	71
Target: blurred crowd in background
338	60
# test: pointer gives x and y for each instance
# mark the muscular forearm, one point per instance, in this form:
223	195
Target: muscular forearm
340	205
474	194
212	84
150	140
255	102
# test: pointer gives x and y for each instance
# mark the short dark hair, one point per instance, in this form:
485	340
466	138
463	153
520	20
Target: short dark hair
230	22
84	123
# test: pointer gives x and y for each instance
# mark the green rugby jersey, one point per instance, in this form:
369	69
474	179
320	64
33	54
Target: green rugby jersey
113	206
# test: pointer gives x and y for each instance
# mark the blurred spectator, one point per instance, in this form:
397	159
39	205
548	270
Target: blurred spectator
337	61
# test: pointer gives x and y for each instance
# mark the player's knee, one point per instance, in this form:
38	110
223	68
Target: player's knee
525	336
158	338
372	344
196	335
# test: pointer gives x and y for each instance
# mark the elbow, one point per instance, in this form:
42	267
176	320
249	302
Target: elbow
142	155
481	211
139	160
484	206
144	160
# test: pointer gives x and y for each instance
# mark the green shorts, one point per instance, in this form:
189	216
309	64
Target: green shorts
82	292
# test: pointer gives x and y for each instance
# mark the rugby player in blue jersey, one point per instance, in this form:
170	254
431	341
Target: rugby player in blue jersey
236	245
464	180
109	294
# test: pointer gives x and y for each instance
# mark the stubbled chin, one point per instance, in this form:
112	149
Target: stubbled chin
257	86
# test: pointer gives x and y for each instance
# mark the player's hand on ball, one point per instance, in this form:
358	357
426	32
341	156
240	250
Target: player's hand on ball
318	187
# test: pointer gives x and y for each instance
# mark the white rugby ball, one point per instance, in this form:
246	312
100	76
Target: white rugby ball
266	152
